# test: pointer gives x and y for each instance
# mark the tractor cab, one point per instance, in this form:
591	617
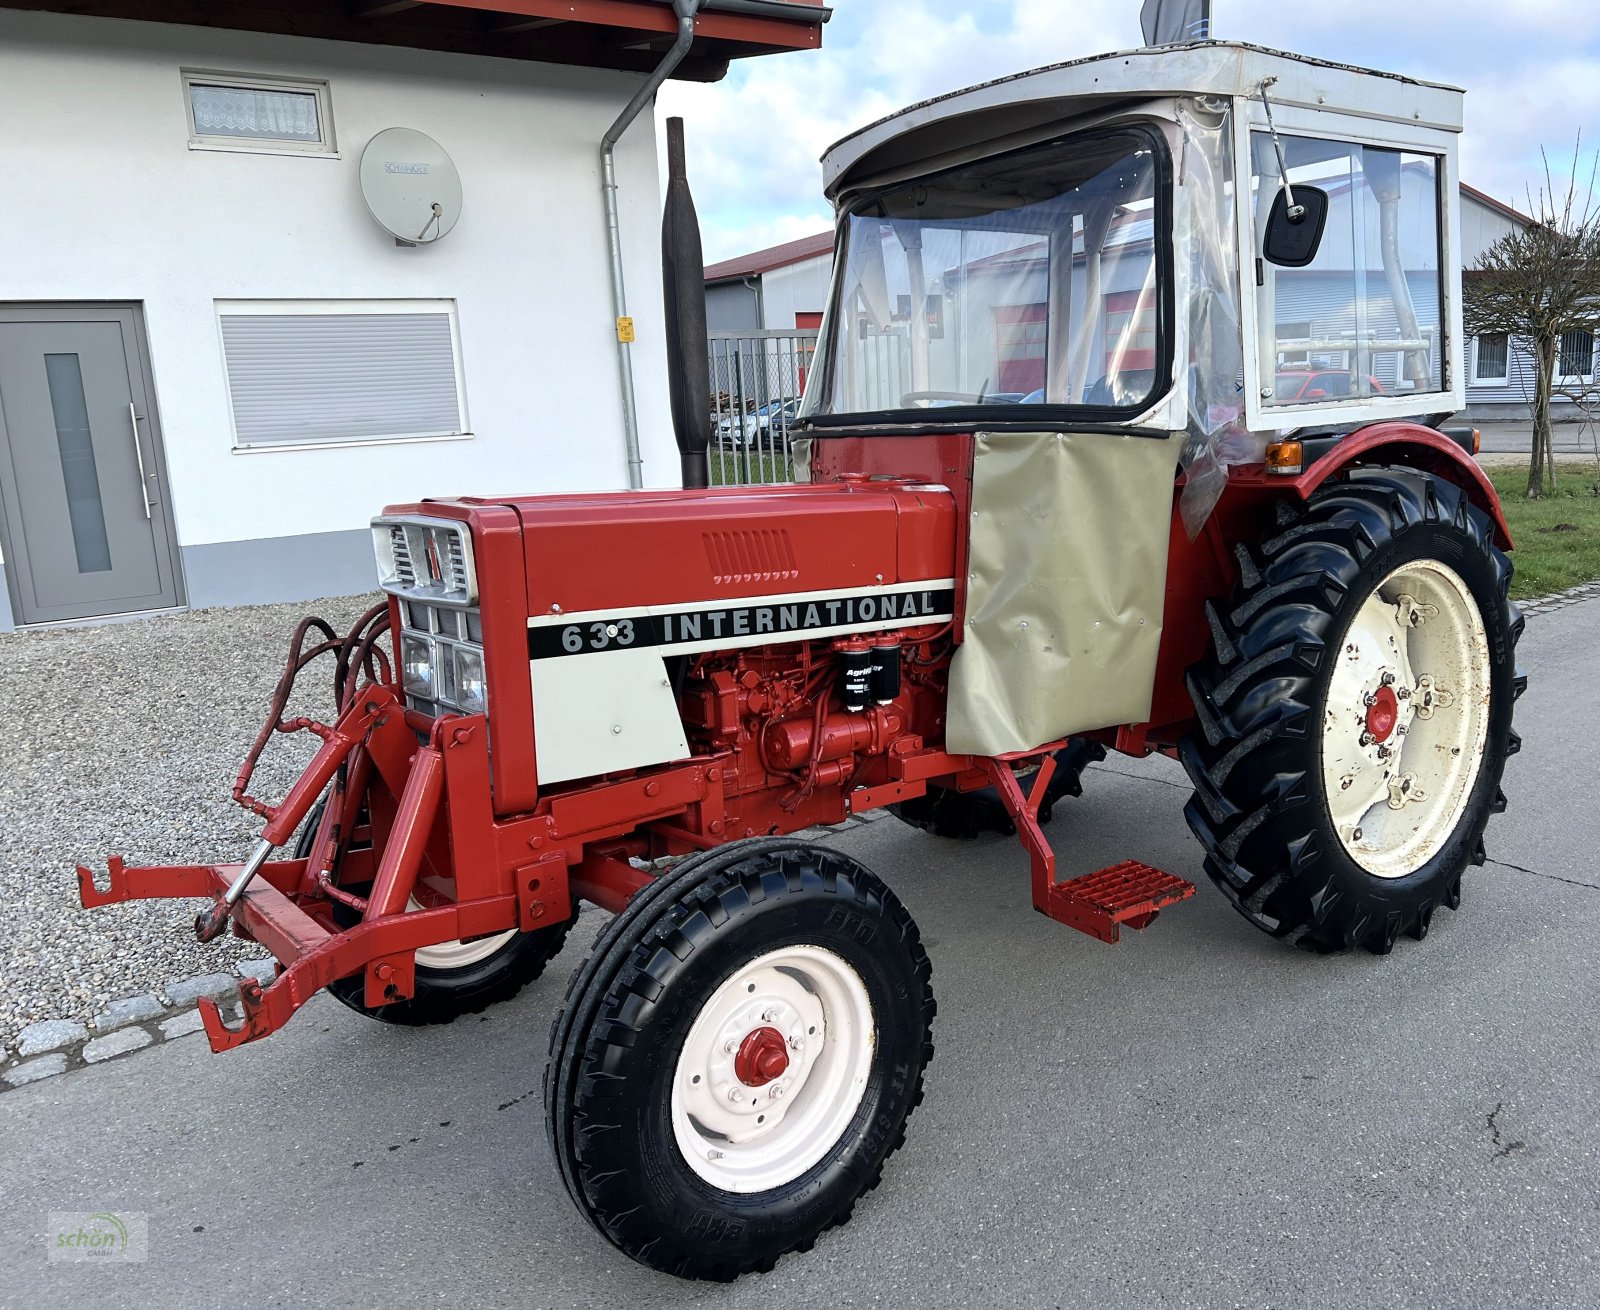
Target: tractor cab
1165	239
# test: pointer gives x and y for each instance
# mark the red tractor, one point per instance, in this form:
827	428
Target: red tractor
965	597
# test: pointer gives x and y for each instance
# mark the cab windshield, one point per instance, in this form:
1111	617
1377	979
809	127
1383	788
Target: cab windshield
1022	282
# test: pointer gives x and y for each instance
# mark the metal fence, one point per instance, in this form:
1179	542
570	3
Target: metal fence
757	378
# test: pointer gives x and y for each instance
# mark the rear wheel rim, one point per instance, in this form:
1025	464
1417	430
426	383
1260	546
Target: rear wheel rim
1406	721
745	1139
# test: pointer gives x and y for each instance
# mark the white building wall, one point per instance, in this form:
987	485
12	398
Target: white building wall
1481	227
800	288
103	199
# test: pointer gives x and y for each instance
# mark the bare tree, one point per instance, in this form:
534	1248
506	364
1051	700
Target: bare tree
1536	284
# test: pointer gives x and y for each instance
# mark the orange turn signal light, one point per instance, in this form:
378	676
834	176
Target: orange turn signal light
1477	442
1286	457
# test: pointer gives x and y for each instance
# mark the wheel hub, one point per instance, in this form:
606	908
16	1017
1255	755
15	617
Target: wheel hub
772	1068
763	1056
1383	714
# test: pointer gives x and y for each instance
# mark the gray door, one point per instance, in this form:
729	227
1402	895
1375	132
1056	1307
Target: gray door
83	503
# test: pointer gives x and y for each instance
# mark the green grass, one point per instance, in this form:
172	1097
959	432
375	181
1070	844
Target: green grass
732	468
1558	537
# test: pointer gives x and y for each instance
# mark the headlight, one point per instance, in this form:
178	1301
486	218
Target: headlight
418	675
471	692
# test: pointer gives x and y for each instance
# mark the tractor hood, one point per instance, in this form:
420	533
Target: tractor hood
654	549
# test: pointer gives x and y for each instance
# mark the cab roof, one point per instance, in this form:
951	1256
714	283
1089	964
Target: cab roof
991	112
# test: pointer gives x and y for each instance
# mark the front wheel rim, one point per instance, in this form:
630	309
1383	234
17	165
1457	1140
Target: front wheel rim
746	1138
447	956
1406	722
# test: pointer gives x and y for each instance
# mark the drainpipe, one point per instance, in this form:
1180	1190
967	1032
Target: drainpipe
686	10
754	287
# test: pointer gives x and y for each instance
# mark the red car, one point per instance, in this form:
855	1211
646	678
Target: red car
1295	387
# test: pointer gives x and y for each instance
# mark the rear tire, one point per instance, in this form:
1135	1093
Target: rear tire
1335	813
445	992
967	814
684	1158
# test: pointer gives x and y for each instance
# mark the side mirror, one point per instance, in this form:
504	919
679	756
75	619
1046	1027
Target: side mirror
1294	233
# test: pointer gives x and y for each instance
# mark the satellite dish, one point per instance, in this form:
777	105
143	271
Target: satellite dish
410	185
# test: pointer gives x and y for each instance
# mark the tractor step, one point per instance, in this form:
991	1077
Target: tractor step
1129	893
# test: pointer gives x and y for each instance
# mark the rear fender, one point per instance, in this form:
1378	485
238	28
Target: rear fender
1414	446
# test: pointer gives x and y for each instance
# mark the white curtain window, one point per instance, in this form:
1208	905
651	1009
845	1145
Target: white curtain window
230	111
330	372
254	113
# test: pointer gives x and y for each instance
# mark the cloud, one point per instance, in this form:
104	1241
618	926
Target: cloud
1531	69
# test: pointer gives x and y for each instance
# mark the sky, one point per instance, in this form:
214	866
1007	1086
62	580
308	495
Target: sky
1531	69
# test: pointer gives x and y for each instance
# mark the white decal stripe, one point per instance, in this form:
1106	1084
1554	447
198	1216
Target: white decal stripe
745	602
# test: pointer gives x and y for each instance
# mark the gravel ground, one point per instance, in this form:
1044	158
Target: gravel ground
125	739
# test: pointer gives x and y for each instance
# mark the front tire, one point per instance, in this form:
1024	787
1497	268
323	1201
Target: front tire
738	1057
1355	714
452	978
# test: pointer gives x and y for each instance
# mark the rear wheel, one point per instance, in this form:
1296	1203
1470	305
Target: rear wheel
1356	713
967	814
738	1057
452	978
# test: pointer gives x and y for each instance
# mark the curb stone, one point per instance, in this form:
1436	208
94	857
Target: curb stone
118	1043
118	1036
188	991
30	1071
1560	599
50	1035
180	1025
130	1009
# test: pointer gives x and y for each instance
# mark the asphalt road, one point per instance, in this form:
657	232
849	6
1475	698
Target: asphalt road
1196	1117
1572	440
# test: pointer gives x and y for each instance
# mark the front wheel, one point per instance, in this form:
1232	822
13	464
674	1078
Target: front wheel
1356	713
738	1057
452	978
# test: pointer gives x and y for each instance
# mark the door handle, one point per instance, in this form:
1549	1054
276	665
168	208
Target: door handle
133	418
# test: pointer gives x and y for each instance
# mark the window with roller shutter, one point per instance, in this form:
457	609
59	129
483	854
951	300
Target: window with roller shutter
312	373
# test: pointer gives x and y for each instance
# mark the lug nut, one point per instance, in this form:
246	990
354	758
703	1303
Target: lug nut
777	1092
794	1042
736	1094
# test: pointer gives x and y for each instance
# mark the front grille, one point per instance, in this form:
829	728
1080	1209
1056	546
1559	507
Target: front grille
404	566
455	565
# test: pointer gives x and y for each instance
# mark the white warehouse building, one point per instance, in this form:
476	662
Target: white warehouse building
215	365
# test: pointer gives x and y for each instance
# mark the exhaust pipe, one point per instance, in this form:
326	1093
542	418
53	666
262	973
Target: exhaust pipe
684	295
686	10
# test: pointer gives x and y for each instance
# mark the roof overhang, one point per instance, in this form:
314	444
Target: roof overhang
1026	102
628	35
